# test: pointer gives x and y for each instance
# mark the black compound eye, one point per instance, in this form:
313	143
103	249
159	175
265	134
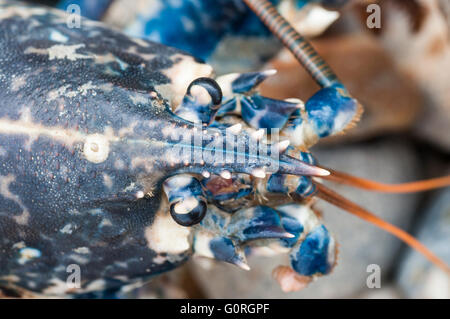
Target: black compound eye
190	218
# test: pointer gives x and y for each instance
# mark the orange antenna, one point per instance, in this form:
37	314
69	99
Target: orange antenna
418	186
341	202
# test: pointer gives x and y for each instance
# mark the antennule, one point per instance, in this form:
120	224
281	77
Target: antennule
411	187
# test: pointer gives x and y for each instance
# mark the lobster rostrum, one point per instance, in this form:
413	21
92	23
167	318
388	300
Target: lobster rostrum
126	157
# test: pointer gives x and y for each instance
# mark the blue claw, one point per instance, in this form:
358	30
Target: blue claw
313	249
316	254
186	199
293	226
201	102
256	110
225	249
211	239
225	237
328	112
331	110
246	82
258	222
261	112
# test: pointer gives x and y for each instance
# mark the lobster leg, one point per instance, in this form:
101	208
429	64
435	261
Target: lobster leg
312	249
224	236
241	98
329	112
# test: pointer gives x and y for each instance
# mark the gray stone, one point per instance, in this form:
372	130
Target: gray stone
361	244
417	277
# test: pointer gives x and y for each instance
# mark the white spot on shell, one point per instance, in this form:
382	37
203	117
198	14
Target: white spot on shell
119	164
225	175
17	83
96	148
67	229
57	36
140	194
5	182
206	174
105	222
57	287
19	245
61	52
107	181
138	98
3	151
82	250
27	254
96	285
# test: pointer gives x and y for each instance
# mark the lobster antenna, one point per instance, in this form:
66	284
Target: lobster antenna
341	202
411	187
296	43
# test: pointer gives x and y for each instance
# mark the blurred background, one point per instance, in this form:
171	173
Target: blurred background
400	72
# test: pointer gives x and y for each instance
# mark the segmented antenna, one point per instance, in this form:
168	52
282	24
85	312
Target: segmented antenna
296	43
411	187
